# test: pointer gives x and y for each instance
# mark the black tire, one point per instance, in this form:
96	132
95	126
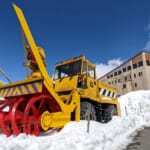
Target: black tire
108	113
87	110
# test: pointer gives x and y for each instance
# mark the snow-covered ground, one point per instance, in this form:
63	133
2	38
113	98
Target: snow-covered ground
115	135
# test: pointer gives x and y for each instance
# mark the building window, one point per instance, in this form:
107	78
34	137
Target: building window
134	75
140	63
119	72
107	77
111	75
124	69
148	63
134	66
124	86
125	78
129	68
118	80
140	74
115	74
135	85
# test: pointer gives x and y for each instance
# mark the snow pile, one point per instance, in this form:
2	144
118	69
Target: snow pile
115	135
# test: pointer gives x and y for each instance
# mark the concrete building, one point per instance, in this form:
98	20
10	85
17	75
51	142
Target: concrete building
132	75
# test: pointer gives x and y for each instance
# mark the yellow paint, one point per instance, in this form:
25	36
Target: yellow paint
18	88
56	120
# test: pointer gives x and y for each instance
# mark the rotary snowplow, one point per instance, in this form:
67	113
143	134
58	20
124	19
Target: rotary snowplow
38	103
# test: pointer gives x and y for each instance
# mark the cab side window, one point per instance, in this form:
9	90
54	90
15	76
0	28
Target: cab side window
84	70
91	72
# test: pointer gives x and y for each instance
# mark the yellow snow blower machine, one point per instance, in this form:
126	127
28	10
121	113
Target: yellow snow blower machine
39	103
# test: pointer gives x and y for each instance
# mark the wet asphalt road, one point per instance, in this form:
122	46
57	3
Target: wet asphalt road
141	141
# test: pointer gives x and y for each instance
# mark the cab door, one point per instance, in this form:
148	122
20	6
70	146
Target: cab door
91	81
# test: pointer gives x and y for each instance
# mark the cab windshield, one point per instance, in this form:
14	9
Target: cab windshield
68	70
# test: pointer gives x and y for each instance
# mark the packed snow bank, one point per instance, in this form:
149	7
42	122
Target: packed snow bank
115	135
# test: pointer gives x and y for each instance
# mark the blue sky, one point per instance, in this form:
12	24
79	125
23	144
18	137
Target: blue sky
101	30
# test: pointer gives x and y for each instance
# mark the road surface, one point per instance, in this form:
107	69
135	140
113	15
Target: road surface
141	141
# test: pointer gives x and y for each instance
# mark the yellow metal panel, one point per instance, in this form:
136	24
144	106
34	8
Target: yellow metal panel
28	88
66	84
37	85
3	92
16	92
106	86
11	90
26	81
24	90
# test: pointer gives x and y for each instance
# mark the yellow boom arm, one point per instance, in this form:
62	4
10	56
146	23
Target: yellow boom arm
33	45
66	109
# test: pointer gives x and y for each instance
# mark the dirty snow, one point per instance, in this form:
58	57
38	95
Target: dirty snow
115	135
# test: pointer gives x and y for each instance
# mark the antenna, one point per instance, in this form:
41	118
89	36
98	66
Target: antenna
5	75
